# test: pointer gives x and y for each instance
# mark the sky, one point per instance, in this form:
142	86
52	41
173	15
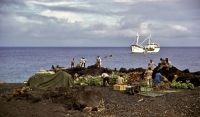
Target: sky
98	23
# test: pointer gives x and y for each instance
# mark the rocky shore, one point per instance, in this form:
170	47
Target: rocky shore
180	104
80	101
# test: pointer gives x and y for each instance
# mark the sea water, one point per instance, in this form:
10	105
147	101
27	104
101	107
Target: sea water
17	64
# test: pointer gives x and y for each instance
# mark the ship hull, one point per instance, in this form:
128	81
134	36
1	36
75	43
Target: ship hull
137	49
140	49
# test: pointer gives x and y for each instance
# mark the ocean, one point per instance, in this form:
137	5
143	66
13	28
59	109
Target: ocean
17	64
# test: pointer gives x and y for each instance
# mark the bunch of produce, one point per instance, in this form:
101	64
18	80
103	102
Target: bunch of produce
98	80
89	80
180	85
93	80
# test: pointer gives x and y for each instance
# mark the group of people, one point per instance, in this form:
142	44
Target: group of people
83	61
151	75
154	76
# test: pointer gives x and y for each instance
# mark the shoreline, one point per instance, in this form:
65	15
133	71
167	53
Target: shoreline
120	70
76	100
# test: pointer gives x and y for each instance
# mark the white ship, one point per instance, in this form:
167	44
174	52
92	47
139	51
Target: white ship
144	46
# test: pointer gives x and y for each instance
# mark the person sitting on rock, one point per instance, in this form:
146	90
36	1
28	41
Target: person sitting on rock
162	63
105	77
120	80
168	63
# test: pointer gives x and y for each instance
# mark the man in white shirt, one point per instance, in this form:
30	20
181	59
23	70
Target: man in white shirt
98	61
83	62
105	77
151	64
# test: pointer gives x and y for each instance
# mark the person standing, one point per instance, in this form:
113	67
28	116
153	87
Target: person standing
148	76
151	64
98	61
72	63
105	77
81	62
84	62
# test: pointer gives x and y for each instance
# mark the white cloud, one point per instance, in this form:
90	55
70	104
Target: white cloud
101	19
117	20
179	28
85	19
61	3
22	19
70	17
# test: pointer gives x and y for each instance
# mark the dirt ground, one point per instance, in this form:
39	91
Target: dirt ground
179	104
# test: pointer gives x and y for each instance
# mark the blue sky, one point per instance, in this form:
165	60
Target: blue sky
98	22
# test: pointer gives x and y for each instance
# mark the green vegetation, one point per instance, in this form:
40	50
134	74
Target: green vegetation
89	80
97	80
180	85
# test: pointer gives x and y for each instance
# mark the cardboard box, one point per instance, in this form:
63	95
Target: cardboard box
119	87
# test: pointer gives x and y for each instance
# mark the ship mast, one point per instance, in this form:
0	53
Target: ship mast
149	42
137	38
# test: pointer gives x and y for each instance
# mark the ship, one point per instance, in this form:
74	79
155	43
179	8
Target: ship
146	46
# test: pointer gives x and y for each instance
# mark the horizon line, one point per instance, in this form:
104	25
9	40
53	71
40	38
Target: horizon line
91	46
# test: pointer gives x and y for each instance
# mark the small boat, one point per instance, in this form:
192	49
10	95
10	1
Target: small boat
149	47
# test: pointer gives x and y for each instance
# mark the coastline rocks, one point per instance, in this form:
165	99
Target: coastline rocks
93	70
137	73
90	70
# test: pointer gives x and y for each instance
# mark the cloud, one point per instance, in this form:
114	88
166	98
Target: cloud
97	23
70	17
26	20
60	3
179	28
